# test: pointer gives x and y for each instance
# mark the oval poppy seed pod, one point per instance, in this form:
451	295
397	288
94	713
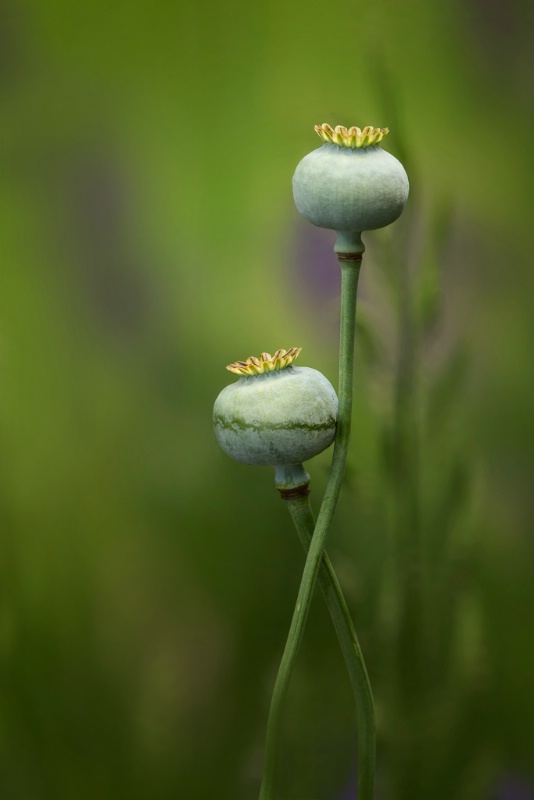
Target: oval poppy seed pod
275	414
350	184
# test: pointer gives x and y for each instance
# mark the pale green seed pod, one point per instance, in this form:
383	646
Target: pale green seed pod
350	184
276	414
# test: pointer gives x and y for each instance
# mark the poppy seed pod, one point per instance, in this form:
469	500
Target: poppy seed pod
275	414
350	184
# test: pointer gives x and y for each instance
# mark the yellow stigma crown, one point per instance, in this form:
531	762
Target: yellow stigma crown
351	137
265	363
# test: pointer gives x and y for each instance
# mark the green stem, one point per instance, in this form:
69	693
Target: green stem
302	515
350	268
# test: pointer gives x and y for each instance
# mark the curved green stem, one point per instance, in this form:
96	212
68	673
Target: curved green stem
302	516
350	267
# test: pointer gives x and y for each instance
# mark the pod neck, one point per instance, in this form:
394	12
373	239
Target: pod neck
292	481
349	243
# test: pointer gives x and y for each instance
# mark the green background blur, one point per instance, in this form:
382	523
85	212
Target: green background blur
149	238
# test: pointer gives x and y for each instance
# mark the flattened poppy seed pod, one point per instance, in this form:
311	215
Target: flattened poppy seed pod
276	414
350	184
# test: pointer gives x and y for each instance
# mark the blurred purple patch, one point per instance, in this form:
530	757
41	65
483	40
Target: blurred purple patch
315	264
350	793
510	788
98	226
514	788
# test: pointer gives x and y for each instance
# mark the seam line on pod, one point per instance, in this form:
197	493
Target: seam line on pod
273	426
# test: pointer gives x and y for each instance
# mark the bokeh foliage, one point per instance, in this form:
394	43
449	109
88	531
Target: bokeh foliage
148	239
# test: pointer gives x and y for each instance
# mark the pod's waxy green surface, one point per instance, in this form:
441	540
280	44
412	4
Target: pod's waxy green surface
279	417
350	183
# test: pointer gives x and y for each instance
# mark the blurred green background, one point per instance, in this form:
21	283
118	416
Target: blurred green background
149	238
